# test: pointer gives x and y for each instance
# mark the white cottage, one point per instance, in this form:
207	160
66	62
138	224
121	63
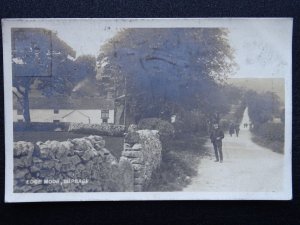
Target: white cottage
62	109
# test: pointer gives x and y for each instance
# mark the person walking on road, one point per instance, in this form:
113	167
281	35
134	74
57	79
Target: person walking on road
216	137
237	129
231	129
250	126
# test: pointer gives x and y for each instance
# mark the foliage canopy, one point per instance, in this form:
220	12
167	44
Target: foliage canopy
167	70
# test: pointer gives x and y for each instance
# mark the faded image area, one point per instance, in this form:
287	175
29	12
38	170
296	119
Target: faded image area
148	109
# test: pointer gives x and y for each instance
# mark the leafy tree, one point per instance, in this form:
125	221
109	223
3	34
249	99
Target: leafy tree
84	76
42	61
163	71
262	106
85	67
233	94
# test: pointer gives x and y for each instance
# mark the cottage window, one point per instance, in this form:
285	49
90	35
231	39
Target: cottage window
104	114
20	120
55	121
56	111
104	120
19	112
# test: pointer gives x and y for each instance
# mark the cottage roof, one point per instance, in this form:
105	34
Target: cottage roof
68	103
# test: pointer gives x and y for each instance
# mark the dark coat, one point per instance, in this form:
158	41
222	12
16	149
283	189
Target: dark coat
231	129
216	133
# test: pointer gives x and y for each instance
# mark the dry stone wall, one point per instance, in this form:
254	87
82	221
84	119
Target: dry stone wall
143	150
78	165
85	165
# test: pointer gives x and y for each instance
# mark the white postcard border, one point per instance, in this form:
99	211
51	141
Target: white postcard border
10	196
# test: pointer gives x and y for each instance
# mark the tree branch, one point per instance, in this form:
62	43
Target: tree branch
160	58
18	98
19	90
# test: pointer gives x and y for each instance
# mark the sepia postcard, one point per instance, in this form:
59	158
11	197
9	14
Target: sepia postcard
147	109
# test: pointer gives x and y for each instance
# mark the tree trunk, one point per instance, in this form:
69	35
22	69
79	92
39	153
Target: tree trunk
26	112
118	113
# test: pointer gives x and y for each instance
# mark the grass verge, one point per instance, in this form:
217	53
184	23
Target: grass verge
270	135
275	146
179	164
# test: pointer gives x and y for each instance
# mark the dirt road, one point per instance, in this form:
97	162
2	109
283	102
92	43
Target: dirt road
247	167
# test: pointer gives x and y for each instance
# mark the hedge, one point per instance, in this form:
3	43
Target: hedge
39	126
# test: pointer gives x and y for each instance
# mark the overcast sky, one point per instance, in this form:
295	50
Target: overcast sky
262	47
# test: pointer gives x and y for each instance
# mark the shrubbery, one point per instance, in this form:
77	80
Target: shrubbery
190	123
262	106
174	173
166	130
98	129
179	164
270	135
271	131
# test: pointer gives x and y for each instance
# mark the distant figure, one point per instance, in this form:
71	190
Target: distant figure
250	126
231	129
208	126
173	118
216	137
245	125
237	129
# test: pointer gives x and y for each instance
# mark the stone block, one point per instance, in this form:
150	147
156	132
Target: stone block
28	176
136	160
86	173
67	167
74	159
48	164
89	165
71	174
82	144
22	162
138	173
89	154
34	169
80	167
23	148
132	154
58	166
22	189
137	147
132	138
137	167
65	148
37	160
110	159
37	188
126	146
20	173
44	173
105	151
95	174
43	150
